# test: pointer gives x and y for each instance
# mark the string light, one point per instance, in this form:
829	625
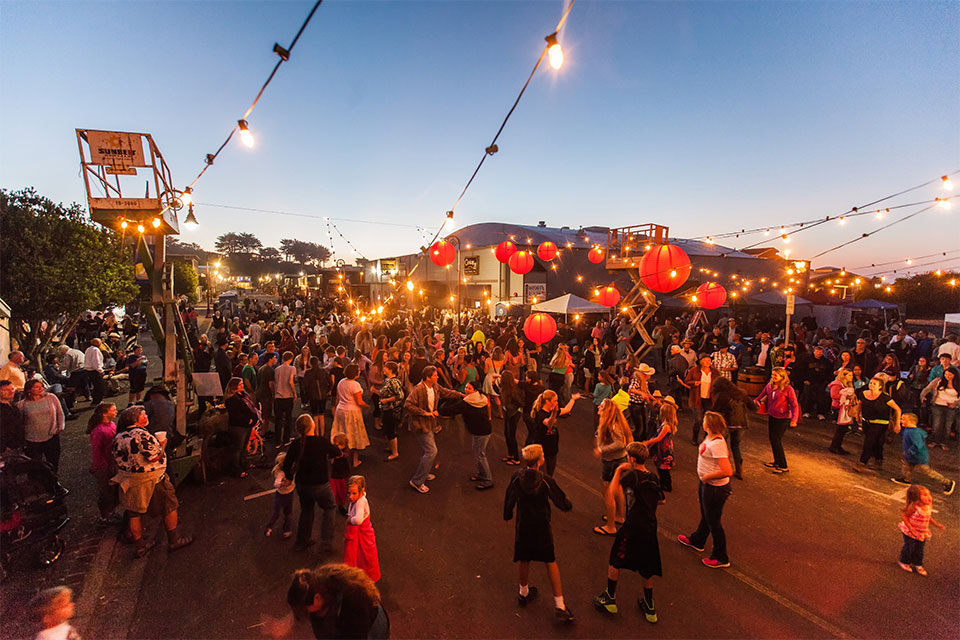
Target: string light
156	223
943	203
191	222
946	183
409	285
140	228
246	137
554	51
123	224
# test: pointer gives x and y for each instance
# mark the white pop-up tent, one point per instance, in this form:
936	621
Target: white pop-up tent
950	319
569	303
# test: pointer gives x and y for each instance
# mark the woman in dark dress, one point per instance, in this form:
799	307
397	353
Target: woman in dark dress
243	416
635	547
546	409
733	404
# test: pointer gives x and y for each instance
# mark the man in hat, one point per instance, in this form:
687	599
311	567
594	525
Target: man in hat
677	366
687	352
725	362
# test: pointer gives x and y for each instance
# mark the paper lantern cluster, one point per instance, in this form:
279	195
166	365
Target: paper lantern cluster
443	253
521	262
609	296
504	250
664	268
547	251
711	295
540	328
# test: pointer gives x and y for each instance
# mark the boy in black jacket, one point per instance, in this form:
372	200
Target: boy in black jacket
530	492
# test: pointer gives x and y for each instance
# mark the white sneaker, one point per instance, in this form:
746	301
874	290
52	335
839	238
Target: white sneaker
430	476
422	488
905	567
806	415
820	416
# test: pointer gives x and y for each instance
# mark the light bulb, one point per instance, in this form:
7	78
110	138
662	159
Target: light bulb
843	220
123	224
245	136
785	239
409	285
156	223
694	298
944	203
140	228
187	196
191	222
554	51
946	183
673	274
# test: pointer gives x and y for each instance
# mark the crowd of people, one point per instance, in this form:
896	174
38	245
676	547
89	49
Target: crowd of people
308	374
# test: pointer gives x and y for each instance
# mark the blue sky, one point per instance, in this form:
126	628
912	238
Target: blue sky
704	116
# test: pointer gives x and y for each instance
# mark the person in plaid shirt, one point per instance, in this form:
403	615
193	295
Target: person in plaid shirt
725	362
391	404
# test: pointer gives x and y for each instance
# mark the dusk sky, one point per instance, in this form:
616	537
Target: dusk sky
704	116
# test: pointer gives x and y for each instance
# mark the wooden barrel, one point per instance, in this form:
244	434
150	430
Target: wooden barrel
751	380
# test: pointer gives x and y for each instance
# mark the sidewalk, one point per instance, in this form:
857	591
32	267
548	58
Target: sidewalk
86	542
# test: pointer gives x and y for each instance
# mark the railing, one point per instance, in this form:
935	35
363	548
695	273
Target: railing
626	245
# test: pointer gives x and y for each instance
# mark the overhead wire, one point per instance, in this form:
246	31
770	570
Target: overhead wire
874	232
309	215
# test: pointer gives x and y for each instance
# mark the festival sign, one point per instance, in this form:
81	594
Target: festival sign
119	151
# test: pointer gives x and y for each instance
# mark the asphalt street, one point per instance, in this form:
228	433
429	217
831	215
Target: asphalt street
813	552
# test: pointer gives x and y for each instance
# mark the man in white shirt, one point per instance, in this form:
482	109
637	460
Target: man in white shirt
284	396
93	365
763	351
72	362
951	347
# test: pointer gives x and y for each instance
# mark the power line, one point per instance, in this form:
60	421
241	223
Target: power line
309	215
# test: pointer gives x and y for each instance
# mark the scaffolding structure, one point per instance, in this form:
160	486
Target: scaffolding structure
625	248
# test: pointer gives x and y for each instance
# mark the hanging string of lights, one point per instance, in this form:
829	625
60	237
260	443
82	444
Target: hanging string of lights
344	238
907	261
246	136
913	266
864	236
862	210
554	52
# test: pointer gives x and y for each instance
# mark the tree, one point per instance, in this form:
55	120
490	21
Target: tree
304	252
185	280
269	254
56	265
248	243
286	247
229	243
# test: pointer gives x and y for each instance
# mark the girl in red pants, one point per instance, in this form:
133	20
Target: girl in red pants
360	547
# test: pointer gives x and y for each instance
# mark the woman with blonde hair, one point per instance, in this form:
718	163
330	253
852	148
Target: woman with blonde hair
782	410
546	409
613	436
844	396
492	369
560	364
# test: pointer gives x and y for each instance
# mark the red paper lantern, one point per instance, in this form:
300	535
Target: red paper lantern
540	328
596	255
547	251
664	267
443	253
711	295
609	296
504	250
521	262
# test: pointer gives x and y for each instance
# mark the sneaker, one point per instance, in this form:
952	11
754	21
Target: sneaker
820	416
530	597
714	564
649	611
807	415
605	602
949	487
905	567
685	541
268	532
287	535
770	465
422	488
862	468
430	476
564	615
777	469
902	481
920	570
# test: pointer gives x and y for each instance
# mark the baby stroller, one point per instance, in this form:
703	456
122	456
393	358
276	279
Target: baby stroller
32	511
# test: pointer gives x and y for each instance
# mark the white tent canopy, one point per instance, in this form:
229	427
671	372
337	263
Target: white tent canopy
569	303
